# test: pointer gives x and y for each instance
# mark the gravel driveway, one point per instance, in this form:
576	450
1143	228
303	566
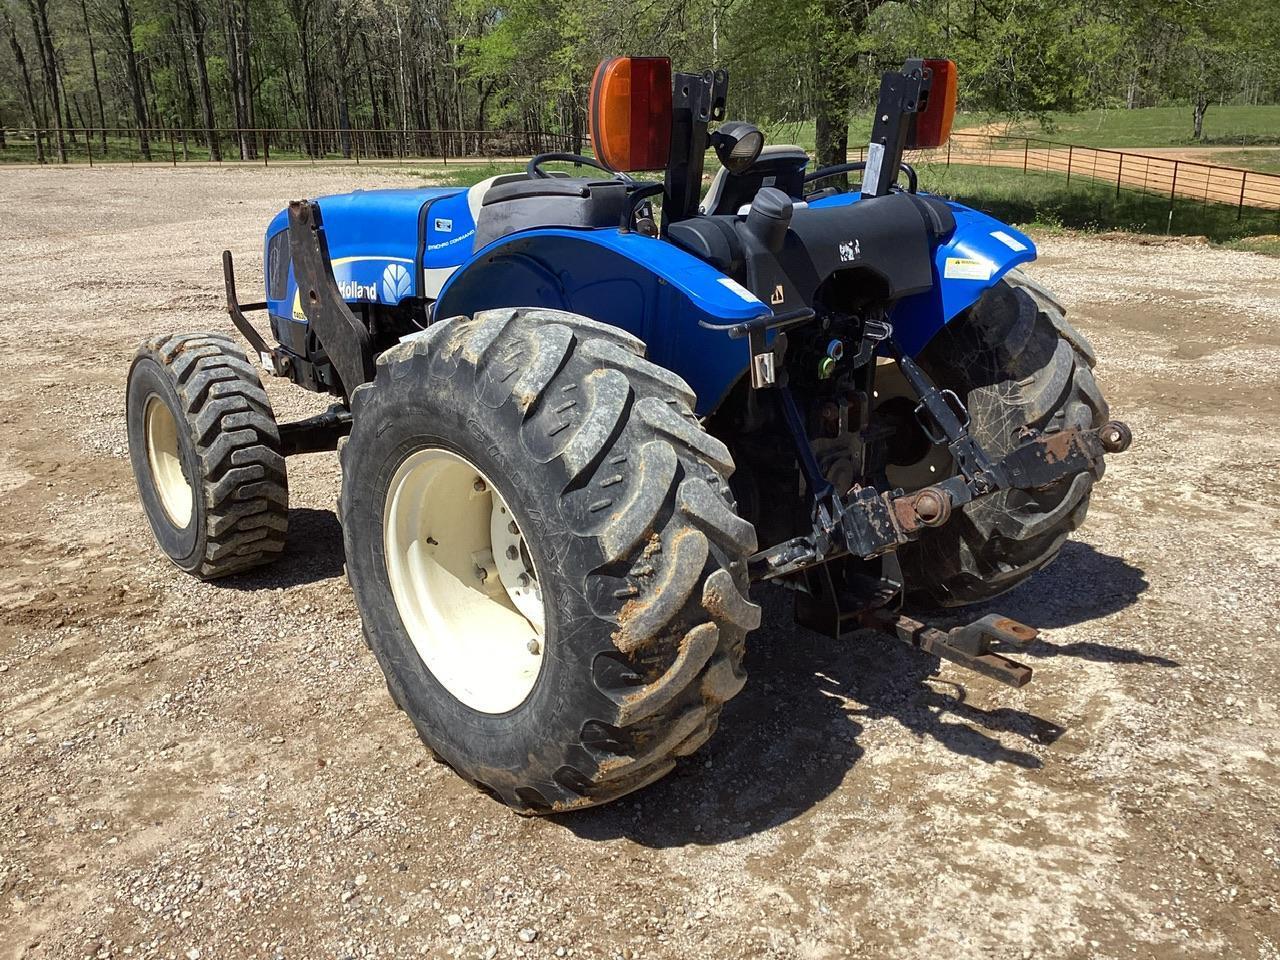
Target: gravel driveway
195	770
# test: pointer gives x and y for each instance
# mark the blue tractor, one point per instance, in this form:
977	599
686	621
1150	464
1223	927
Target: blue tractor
580	417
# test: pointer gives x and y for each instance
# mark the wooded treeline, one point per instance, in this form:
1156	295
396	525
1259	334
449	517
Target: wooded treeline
441	71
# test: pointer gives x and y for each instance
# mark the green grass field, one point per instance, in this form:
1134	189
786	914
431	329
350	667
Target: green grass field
802	131
1264	159
1039	201
1046	201
1158	127
1145	127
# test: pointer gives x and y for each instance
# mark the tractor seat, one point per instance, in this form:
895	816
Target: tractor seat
779	165
552	202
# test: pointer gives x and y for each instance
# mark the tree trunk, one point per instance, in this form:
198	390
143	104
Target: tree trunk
134	77
344	112
199	24
300	12
97	86
248	145
235	64
28	92
834	63
368	79
1197	115
155	115
832	129
187	87
39	10
60	72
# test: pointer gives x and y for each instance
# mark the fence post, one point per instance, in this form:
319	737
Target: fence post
266	148
173	149
948	151
1026	150
1244	175
1070	152
88	142
1173	186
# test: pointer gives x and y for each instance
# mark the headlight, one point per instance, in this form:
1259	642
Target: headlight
737	144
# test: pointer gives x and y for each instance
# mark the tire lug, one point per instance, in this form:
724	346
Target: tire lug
513	552
479	486
533	646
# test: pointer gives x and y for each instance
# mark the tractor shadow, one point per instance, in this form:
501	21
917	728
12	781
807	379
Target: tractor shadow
313	552
791	737
1083	584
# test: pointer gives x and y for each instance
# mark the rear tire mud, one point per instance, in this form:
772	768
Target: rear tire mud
624	505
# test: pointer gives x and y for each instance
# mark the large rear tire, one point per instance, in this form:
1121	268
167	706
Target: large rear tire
1018	365
530	449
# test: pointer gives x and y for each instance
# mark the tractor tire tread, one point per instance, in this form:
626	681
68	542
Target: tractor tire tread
243	484
1021	365
642	479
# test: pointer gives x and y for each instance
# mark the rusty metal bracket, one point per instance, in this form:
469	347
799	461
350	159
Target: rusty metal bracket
967	646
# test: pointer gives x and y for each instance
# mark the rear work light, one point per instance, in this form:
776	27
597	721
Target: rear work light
933	122
630	113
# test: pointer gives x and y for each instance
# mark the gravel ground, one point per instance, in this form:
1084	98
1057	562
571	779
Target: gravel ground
195	770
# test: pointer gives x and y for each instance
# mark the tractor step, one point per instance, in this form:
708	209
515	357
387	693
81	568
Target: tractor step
967	646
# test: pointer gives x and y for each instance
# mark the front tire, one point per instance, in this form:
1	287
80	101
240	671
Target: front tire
620	513
205	451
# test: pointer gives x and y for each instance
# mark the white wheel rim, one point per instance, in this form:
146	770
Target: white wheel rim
463	580
165	460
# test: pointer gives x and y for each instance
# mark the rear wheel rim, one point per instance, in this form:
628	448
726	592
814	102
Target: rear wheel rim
463	580
930	463
164	457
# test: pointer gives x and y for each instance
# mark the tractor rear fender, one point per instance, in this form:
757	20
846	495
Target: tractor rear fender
646	286
972	260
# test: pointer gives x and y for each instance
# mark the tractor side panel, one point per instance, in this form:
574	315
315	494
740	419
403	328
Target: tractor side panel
642	285
977	255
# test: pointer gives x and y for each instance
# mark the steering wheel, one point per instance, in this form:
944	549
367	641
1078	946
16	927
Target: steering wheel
535	171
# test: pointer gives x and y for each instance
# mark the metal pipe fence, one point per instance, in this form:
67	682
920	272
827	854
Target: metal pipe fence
1171	176
1178	179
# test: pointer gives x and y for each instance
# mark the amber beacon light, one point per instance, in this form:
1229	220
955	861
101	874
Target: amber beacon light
630	113
933	123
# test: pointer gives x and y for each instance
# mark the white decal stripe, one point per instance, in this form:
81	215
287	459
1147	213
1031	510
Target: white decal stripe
341	260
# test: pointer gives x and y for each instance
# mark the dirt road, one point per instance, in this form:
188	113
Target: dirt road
1191	174
198	770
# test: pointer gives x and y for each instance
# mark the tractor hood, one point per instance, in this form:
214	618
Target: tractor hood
385	245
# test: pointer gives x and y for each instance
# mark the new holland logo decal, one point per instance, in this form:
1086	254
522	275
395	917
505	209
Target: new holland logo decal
395	283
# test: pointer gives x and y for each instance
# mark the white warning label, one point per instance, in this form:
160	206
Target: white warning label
966	268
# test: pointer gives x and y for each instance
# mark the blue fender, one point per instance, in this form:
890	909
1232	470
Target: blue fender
646	286
978	253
